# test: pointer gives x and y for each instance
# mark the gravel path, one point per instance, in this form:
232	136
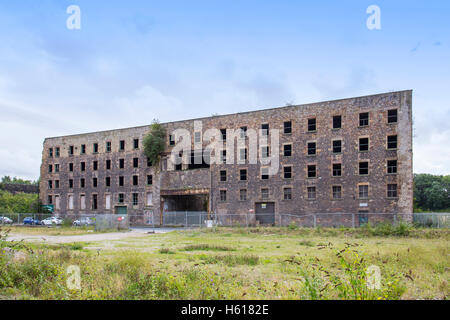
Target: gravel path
134	233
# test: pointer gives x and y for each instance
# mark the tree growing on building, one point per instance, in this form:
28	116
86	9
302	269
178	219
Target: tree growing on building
155	142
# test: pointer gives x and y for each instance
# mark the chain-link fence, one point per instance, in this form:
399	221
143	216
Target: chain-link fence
432	220
202	219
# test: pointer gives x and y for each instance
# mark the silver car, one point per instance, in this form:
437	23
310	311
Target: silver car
5	220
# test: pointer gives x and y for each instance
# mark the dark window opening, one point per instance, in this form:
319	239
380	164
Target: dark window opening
287	150
223	195
171	140
135	162
95	149
337	192
264	193
149	179
288	127
121	198
135	180
94	202
94	182
136	143
70	150
265	129
135	199
363	192
392	142
364	168
122	145
337	122
312	124
70	184
363	144
243	174
363	119
108	146
243	194
83	166
121	163
95	165
57	152
223	133
337	146
149	162
108	181
243	132
392	116
82	183
50	152
199	160
287	172
287	193
392	191
392	166
108	164
83	149
50	168
71	167
311	148
311	171
223	175
121	181
311	193
264	173
337	169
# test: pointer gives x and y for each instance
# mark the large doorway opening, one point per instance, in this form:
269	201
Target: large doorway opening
187	210
265	212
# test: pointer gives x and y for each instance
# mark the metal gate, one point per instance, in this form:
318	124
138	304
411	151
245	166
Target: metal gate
265	212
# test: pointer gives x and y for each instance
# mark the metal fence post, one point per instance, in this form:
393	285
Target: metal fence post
279	220
246	219
315	220
353	220
185	225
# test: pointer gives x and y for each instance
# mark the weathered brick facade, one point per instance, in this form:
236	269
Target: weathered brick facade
168	182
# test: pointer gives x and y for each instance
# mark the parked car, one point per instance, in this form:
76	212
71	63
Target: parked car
85	221
57	221
51	221
30	221
5	220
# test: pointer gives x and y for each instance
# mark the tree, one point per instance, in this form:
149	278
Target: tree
155	142
15	180
431	192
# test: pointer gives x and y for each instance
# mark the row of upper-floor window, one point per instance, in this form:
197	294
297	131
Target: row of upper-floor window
55	184
312	171
364	121
336	147
336	193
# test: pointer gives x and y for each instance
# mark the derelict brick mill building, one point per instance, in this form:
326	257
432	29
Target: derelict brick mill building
344	156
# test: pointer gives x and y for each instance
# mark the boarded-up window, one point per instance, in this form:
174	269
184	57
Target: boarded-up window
57	203
70	202
83	202
149	198
108	202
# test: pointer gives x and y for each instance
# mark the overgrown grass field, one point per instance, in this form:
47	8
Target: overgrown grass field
237	263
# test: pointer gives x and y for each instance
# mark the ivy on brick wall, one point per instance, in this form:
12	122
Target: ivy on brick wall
155	142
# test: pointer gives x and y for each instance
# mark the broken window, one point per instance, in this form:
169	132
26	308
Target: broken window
70	150
311	171
264	173
337	169
95	149
56	167
94	202
223	195
243	194
223	133
264	193
223	175
312	124
265	129
287	193
363	144
122	145
121	198
56	184
108	146
82	183
311	193
136	143
50	152
135	162
121	180
149	179
135	180
57	152
71	167
50	184
108	164
392	191
392	116
149	162
108	181
392	166
392	142
83	149
311	148
135	199
337	146
95	165
243	132
287	172
50	168
287	150
243	174
363	191
337	192
83	166
364	168
171	140
287	127
337	122
50	199
121	163
70	183
94	182
363	119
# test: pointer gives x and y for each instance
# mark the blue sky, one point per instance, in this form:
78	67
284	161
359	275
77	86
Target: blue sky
133	61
